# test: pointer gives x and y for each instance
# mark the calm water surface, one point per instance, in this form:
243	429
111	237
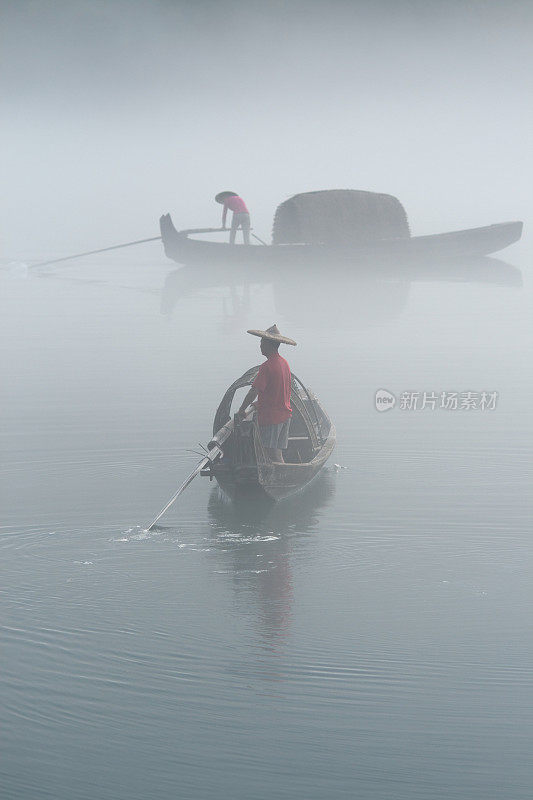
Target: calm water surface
370	638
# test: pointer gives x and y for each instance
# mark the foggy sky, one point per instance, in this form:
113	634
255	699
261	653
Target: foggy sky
115	112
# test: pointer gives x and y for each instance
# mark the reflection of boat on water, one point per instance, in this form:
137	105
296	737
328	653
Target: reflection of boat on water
342	225
356	299
261	514
253	544
351	296
245	467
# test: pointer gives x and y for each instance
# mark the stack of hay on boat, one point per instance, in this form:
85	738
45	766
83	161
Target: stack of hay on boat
339	216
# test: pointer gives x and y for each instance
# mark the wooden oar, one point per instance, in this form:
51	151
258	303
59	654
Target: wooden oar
201	464
203	230
215	451
92	252
216	230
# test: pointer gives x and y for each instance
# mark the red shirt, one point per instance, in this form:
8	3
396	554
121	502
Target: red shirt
273	383
235	204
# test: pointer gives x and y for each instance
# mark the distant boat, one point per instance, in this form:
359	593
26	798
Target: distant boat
244	468
345	226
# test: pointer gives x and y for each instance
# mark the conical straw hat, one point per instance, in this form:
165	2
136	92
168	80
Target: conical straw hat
273	334
221	196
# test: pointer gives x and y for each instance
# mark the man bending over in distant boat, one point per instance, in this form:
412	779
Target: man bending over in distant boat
241	216
272	387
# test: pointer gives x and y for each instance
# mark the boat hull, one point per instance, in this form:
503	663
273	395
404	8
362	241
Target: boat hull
273	481
470	243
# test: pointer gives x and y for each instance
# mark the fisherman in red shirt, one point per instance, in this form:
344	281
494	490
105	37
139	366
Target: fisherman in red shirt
241	215
272	387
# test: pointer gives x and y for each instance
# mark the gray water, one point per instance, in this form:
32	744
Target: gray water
369	638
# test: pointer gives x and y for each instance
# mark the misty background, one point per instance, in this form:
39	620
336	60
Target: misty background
371	639
115	112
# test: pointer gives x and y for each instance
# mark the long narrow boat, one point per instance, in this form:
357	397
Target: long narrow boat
470	243
339	226
244	468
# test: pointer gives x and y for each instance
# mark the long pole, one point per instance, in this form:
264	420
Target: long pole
182	488
217	230
92	252
215	444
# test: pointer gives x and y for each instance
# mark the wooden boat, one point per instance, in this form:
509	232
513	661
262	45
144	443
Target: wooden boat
244	469
342	226
470	243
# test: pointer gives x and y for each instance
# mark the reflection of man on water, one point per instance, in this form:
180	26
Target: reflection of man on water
241	216
272	387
